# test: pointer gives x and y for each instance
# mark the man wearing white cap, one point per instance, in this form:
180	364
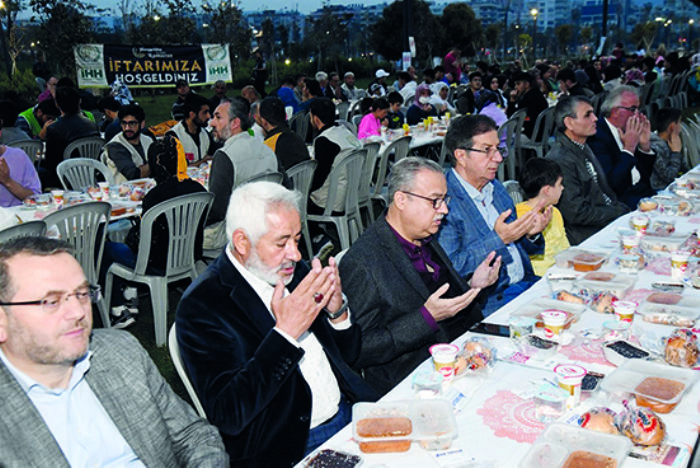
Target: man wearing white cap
380	78
352	92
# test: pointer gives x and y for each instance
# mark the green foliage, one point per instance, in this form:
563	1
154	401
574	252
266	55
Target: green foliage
644	34
23	83
461	28
387	34
226	26
564	33
325	36
492	36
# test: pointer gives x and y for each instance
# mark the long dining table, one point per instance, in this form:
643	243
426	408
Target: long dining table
496	411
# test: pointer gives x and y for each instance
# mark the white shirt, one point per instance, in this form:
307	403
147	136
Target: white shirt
484	203
314	365
77	420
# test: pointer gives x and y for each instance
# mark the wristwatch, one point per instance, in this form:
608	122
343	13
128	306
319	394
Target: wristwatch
341	311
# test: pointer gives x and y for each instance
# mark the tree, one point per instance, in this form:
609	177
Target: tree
8	32
492	37
461	27
227	26
563	32
387	33
179	26
586	35
326	35
62	25
644	33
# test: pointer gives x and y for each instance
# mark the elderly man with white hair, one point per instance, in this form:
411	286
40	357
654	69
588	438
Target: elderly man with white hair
267	341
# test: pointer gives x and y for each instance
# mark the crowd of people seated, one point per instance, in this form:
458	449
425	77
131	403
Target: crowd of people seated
278	350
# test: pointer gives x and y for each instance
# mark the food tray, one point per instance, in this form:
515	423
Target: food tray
625	378
675	206
558	441
654	245
668	315
618	285
534	308
673	299
433	423
567	259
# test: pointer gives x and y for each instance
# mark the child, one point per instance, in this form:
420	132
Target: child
669	162
396	117
371	124
541	180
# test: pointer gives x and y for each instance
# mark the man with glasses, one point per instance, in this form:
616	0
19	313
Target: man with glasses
125	154
401	286
588	203
622	145
482	215
73	396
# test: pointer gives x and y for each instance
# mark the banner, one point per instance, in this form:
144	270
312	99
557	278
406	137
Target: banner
99	65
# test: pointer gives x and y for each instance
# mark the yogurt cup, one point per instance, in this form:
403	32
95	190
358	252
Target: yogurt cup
554	321
624	310
444	357
58	197
630	242
640	223
569	378
679	264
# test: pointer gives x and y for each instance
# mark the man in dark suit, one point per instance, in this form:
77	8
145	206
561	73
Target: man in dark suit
622	146
401	286
268	343
73	396
527	96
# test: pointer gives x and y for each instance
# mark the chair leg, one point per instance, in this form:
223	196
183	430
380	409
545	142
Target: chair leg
307	239
159	301
343	233
107	300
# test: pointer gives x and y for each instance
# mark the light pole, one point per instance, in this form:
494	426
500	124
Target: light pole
534	12
691	22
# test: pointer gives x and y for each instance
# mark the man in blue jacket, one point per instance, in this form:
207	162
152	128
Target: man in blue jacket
482	216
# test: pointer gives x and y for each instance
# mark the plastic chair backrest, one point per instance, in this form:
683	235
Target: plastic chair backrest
274	177
508	133
30	228
302	174
81	226
174	349
79	173
183	214
384	162
689	146
368	166
90	147
349	125
514	190
356	119
31	147
399	147
342	110
349	166
300	124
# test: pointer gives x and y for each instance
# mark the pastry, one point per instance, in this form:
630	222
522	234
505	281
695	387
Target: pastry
600	420
647	205
682	348
664	298
568	297
641	425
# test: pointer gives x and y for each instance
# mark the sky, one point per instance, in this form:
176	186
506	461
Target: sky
304	6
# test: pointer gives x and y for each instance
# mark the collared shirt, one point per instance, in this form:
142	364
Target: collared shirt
484	203
77	420
429	271
636	176
314	365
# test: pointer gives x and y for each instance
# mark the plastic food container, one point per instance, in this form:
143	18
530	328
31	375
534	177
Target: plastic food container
661	245
647	204
560	442
535	308
665	298
662	227
629	376
620	351
537	347
668	314
675	207
580	260
391	426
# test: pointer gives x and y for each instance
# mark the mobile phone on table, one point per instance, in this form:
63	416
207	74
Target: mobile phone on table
491	329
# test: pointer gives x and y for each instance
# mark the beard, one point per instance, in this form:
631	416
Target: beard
266	273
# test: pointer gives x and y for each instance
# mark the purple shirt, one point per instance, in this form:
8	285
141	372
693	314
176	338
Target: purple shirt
21	171
430	271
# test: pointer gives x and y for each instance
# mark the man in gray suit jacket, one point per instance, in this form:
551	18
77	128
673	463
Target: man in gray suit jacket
73	397
401	287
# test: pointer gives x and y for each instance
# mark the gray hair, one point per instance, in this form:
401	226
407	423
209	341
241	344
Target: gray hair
614	98
404	172
250	204
320	76
463	130
31	245
566	107
238	110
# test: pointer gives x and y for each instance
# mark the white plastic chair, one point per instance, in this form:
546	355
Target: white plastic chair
302	174
510	132
274	177
84	226
400	148
174	349
183	215
544	127
351	167
79	173
33	148
514	190
300	124
90	147
364	198
30	228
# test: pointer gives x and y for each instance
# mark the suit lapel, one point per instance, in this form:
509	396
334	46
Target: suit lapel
465	208
394	254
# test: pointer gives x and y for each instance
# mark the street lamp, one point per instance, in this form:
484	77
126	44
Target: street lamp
691	22
534	12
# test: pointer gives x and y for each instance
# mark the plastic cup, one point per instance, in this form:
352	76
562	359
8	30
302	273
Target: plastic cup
569	377
58	197
444	357
640	223
521	326
630	243
554	321
624	310
679	264
104	188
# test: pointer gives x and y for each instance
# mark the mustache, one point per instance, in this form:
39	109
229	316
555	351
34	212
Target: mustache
285	265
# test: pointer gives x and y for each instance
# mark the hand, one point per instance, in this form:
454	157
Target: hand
674	141
4	172
335	302
486	275
442	309
511	232
541	221
631	134
645	134
296	312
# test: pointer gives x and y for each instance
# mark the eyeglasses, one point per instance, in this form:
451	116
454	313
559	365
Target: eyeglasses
53	301
130	123
490	151
632	109
437	202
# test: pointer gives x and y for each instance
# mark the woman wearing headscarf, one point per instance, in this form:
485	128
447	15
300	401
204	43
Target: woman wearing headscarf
439	99
168	166
421	108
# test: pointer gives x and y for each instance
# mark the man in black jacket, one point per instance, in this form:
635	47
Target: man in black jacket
289	148
526	96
